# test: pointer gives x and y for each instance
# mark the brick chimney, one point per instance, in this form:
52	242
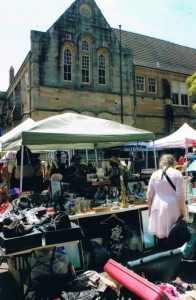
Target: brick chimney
11	74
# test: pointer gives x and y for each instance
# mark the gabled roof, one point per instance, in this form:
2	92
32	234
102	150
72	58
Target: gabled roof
159	54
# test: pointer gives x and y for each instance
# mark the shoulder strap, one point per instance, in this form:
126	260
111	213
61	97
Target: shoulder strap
169	180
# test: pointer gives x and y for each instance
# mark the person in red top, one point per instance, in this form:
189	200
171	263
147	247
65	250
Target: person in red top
181	162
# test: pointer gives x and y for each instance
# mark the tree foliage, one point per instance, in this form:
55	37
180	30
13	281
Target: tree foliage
191	82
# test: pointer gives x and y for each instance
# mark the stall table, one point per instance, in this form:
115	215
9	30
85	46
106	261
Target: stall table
19	261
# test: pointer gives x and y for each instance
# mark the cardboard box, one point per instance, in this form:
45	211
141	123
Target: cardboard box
21	243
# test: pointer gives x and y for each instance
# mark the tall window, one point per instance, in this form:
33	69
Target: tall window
140	83
152	85
102	69
184	94
67	65
85	69
179	93
85	46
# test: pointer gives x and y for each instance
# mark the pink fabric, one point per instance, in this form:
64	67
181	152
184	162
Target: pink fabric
164	201
170	290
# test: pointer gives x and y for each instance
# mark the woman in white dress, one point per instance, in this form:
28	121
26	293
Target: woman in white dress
166	199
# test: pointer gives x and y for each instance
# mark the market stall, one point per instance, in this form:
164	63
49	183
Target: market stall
184	137
16	132
72	131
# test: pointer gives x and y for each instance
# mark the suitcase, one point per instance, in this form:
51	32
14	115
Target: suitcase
138	285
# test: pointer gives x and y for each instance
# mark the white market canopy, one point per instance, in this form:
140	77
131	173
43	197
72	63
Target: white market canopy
15	133
74	131
184	137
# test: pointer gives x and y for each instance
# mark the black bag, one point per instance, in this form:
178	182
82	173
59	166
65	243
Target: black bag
179	234
50	273
61	220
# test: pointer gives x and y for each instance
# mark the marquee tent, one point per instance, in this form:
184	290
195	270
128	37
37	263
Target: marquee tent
74	131
15	133
184	137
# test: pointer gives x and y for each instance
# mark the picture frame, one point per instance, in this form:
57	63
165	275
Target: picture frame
136	187
148	240
75	253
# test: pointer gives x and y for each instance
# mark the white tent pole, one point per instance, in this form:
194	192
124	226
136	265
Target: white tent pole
87	156
155	160
21	167
186	159
146	158
96	157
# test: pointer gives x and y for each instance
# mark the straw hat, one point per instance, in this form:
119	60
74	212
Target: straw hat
115	160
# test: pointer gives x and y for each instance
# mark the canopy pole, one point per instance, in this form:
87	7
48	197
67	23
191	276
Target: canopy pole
155	160
21	167
146	158
186	160
96	157
87	156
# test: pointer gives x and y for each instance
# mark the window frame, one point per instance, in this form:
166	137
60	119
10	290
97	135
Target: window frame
85	72
140	84
67	78
178	97
102	79
85	46
152	86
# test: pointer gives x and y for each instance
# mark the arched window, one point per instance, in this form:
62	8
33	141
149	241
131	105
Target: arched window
67	65
85	45
86	59
102	69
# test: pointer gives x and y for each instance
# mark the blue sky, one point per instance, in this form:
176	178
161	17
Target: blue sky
170	20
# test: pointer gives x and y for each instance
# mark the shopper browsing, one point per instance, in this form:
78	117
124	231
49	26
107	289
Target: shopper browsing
166	199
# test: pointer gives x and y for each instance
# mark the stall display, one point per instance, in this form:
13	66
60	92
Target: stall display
73	131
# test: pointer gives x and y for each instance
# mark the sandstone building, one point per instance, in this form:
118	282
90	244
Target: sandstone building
81	64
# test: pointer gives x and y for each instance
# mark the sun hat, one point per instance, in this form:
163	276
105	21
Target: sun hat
115	160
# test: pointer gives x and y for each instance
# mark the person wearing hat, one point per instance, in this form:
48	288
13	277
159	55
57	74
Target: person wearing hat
76	176
115	171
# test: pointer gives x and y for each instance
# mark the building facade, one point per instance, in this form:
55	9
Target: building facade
81	64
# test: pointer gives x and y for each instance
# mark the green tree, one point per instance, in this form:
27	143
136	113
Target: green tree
191	82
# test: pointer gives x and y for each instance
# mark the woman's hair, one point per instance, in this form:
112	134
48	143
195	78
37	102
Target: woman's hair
166	160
